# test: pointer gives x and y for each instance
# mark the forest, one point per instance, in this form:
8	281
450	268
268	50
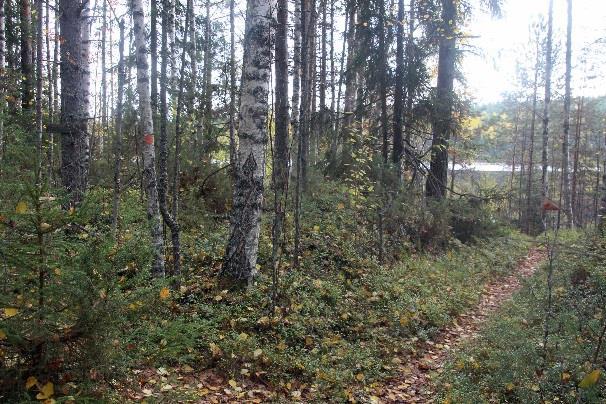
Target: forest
255	201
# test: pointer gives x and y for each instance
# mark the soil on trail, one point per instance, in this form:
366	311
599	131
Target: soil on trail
414	381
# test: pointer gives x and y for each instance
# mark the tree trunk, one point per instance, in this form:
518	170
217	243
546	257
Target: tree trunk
208	92
398	102
39	89
147	127
118	133
232	86
27	70
296	79
349	103
566	191
2	79
240	263
382	77
75	138
575	170
280	152
442	122
547	103
51	92
153	47
163	144
189	20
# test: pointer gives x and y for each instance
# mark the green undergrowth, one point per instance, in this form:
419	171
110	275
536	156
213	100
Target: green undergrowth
338	325
509	362
336	328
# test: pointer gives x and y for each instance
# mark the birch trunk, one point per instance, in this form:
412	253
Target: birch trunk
147	127
240	263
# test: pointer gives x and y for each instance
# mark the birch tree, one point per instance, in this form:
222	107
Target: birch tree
240	261
147	128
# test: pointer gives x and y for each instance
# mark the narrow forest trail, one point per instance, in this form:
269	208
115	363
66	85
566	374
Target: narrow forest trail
414	381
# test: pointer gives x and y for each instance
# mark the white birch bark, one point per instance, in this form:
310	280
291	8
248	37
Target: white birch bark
241	256
147	127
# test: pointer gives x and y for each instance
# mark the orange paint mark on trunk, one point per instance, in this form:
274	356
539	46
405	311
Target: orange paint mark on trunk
149	139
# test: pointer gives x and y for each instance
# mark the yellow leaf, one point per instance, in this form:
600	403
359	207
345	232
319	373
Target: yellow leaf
21	208
340	205
360	377
309	341
30	382
10	312
215	350
2	335
46	392
510	387
591	379
257	353
164	293
44	226
281	346
233	383
316	229
565	377
218	298
243	336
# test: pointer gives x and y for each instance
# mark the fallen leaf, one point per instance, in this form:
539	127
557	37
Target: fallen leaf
164	293
21	208
10	312
30	382
47	391
233	383
590	379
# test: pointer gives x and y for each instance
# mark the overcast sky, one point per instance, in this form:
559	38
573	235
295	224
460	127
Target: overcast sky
492	71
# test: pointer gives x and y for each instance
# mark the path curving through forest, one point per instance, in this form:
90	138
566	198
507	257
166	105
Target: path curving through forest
414	381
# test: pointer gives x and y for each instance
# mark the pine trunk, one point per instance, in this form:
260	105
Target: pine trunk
74	114
442	125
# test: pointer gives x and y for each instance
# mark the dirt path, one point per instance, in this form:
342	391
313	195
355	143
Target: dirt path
413	385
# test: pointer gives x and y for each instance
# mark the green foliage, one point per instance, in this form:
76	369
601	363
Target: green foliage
509	362
339	322
66	290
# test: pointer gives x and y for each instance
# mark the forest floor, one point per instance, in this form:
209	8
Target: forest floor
416	369
414	381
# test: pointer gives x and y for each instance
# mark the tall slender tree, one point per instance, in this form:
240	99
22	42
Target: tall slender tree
240	263
147	127
280	150
27	57
547	103
163	143
566	191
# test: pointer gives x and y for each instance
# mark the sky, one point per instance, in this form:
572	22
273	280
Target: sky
490	66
